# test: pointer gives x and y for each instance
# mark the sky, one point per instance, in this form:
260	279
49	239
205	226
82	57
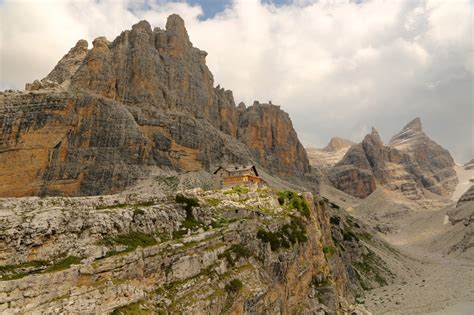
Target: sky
338	67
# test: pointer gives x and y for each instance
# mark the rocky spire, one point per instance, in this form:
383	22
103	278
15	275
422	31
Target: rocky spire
178	39
414	125
69	64
374	137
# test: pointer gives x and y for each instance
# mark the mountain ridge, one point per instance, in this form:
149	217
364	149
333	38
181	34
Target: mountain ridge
105	117
410	163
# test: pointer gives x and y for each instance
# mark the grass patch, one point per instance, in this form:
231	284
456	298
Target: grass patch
12	272
234	286
213	202
188	202
237	190
190	222
371	267
328	249
136	308
234	253
131	240
63	264
286	236
221	222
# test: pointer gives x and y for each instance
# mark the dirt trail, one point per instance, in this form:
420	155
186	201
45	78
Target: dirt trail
431	282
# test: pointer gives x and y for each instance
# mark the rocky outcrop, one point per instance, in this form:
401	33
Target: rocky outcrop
467	197
410	163
431	164
325	158
268	133
462	219
107	116
209	253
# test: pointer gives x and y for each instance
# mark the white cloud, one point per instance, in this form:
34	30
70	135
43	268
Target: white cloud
336	66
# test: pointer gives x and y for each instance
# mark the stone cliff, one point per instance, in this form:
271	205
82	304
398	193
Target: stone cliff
410	163
200	252
107	116
268	133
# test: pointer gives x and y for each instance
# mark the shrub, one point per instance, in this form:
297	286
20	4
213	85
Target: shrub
335	220
287	235
234	253
189	202
138	212
234	286
294	201
333	205
328	249
241	251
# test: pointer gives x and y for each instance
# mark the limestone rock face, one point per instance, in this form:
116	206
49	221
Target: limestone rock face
325	158
188	272
410	163
269	134
69	64
467	197
107	116
462	217
432	165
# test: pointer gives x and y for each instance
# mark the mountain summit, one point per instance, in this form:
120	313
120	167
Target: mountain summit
107	116
411	130
410	163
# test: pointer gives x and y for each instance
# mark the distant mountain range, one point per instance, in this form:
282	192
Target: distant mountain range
410	163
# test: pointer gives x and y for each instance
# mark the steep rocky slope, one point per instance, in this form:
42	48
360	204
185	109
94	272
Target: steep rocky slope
108	116
411	163
196	252
325	158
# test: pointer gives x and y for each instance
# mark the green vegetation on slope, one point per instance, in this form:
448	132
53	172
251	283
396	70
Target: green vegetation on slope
287	235
294	201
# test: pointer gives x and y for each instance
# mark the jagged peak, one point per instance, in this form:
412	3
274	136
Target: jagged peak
373	137
142	25
175	25
337	143
81	44
100	42
414	125
411	130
